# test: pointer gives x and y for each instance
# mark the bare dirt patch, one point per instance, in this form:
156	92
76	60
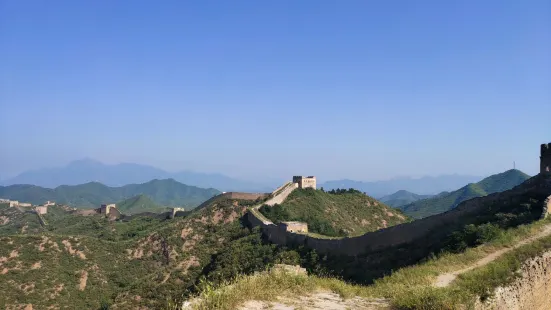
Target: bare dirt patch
167	276
83	279
72	251
47	241
14	253
27	288
318	301
203	220
190	242
145	247
4	220
57	290
185	265
218	216
186	232
36	265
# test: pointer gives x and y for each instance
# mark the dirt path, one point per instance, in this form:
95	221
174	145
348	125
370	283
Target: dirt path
445	279
318	301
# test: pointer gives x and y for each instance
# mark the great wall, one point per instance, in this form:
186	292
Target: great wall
439	224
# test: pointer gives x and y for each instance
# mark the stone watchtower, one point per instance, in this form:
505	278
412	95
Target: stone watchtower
305	182
545	158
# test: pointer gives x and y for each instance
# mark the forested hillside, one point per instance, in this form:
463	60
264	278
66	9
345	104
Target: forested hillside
90	195
336	213
447	201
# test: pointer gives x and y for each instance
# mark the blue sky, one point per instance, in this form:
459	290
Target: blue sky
339	89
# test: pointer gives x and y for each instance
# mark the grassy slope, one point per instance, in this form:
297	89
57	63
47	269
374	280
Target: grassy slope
447	201
328	214
164	192
140	203
401	198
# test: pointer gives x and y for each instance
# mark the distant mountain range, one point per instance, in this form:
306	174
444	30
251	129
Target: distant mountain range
423	186
88	170
401	198
166	192
448	200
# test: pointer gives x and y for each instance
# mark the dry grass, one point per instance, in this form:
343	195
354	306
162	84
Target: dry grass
408	288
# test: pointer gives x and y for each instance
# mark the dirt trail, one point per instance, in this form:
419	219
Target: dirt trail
445	279
318	301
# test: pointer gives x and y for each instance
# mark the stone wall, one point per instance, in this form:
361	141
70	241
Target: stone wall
531	291
245	196
232	195
41	209
282	195
436	226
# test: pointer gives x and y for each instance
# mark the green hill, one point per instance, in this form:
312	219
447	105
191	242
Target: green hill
166	192
401	198
138	204
448	200
84	260
335	213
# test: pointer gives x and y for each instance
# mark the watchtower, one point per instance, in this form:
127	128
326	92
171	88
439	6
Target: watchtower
173	212
106	208
305	182
545	158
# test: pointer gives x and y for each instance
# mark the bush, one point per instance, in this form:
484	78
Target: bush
472	235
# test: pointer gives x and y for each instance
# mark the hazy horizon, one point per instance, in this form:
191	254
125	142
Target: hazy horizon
265	179
351	90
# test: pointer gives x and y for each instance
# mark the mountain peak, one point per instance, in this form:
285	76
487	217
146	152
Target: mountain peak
85	162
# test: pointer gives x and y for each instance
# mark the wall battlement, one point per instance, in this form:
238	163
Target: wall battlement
545	158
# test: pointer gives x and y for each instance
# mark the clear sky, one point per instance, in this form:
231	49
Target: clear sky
339	89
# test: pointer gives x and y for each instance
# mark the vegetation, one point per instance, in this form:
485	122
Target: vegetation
402	198
408	285
163	192
447	201
140	262
407	288
138	204
154	262
337	213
